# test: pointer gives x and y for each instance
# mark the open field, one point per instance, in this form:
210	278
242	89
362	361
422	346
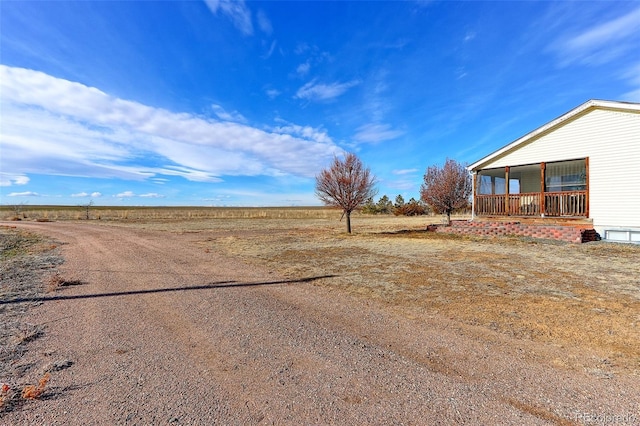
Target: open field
108	213
585	298
582	297
541	329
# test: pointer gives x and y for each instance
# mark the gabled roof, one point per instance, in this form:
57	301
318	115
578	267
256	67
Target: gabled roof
558	122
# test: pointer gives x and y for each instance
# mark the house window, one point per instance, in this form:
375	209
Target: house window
566	176
491	182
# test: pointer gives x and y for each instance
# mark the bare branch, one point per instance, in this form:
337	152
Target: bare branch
346	184
446	189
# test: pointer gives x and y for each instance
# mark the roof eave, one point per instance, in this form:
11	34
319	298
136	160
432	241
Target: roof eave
590	104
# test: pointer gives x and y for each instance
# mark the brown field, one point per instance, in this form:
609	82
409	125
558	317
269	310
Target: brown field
127	213
585	298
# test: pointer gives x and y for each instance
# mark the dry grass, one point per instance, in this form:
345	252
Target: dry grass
585	298
26	260
582	298
136	214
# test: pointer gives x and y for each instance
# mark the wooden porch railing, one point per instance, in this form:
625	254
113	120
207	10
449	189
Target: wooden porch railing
568	203
558	204
490	205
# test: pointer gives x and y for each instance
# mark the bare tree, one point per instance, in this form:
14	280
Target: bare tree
446	189
17	210
86	208
346	184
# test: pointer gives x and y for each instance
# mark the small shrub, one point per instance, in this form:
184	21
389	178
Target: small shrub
5	394
34	391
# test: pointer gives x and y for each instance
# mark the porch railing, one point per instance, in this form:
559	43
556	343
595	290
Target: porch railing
558	204
568	203
490	205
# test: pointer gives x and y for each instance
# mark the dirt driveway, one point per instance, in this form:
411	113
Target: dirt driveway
162	331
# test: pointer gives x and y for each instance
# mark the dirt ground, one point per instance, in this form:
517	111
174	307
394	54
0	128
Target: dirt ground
267	321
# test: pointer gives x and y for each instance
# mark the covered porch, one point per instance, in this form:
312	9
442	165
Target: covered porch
553	189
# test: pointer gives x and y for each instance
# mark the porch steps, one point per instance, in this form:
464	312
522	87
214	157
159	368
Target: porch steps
569	233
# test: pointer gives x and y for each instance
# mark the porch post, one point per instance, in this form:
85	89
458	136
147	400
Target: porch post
475	177
543	167
507	210
586	165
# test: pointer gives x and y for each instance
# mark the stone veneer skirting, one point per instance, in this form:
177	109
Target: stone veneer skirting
567	233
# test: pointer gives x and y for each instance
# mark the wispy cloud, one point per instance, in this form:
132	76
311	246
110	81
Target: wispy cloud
55	126
236	10
376	132
264	23
404	185
126	194
234	116
152	195
24	194
7	179
272	93
602	43
315	91
632	75
306	132
272	47
303	69
404	171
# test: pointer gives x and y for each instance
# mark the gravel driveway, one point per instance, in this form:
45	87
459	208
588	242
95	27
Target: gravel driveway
161	331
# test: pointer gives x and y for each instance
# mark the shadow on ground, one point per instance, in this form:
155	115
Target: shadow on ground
214	285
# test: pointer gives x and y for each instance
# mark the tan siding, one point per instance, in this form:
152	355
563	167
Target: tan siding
611	140
530	182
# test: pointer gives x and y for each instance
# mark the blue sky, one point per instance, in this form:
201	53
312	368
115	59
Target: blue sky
242	103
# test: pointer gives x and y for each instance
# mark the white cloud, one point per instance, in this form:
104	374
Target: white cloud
58	127
375	132
24	194
126	194
306	132
227	116
602	43
404	171
85	194
7	179
152	195
236	10
319	92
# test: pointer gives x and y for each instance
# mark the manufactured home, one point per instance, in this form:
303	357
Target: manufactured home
583	166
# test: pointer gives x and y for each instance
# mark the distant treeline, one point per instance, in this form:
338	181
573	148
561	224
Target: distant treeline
400	207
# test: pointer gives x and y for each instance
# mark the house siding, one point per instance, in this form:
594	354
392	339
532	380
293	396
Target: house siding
611	141
530	182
